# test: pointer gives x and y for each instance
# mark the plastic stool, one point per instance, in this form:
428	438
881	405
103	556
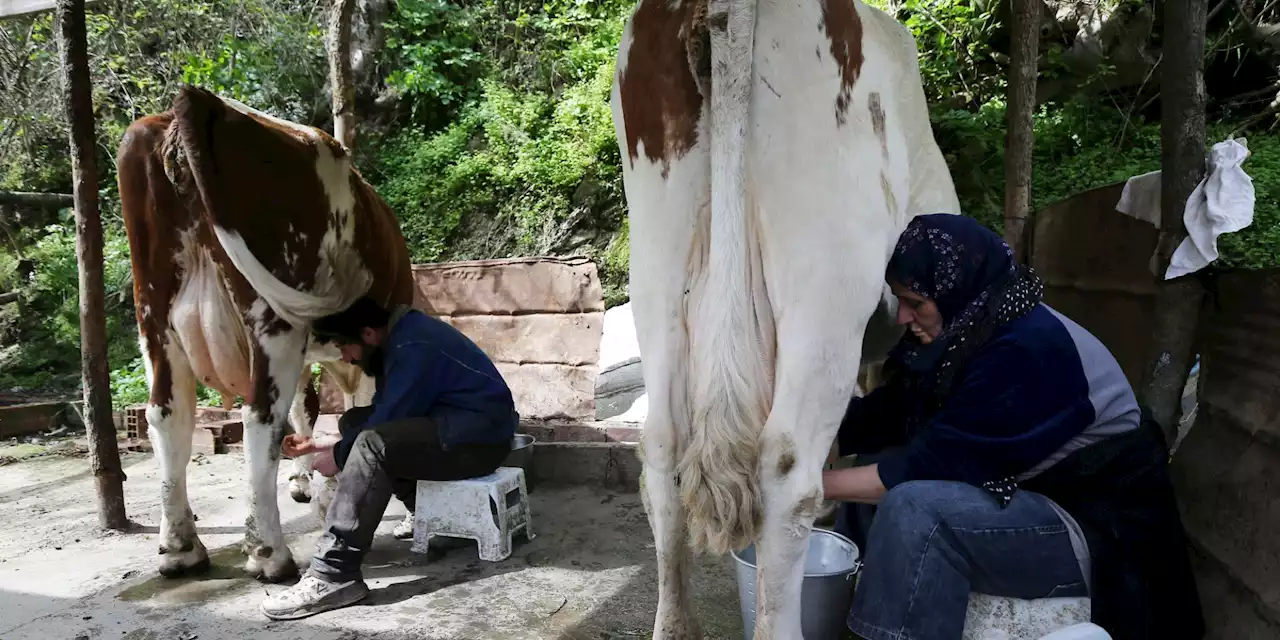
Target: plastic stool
488	510
999	618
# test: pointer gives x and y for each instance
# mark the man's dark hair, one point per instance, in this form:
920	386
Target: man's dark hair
346	326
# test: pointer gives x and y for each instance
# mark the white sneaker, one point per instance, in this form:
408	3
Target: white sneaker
313	595
404	530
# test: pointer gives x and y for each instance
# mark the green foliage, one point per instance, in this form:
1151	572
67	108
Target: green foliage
1258	245
520	167
42	330
502	144
955	35
437	61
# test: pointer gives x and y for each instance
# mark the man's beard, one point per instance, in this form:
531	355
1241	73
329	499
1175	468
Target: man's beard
371	360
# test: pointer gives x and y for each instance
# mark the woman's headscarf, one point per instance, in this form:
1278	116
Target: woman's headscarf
970	274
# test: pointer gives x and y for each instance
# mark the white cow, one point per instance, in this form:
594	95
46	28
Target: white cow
773	151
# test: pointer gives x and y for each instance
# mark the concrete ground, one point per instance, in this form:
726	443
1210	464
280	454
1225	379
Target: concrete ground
589	573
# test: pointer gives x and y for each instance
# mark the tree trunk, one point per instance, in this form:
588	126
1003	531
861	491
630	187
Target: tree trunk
104	454
36	200
1182	141
1019	134
344	91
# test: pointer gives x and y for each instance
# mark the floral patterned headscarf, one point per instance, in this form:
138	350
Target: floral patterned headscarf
970	274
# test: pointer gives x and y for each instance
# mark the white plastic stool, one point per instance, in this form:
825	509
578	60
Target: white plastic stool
998	618
488	510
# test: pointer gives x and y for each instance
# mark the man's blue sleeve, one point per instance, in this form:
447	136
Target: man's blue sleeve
410	388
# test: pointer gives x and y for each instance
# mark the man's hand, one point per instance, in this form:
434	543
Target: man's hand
295	445
324	463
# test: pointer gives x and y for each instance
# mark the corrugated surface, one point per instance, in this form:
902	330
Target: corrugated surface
1227	471
1240	350
1095	265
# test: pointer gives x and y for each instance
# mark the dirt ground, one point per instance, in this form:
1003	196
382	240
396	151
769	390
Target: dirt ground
589	574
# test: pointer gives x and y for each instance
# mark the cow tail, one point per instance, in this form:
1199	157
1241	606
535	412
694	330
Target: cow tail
732	328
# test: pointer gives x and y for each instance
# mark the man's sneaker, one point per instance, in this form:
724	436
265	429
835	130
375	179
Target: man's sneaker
404	530
313	595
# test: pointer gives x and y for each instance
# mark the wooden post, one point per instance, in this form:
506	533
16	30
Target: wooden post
1182	142
104	454
1020	136
342	85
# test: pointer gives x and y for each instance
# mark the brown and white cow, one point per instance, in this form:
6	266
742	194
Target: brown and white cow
243	229
773	151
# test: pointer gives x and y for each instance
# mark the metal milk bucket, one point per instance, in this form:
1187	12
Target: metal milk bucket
830	565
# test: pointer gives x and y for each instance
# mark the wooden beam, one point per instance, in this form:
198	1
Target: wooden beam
37	200
14	8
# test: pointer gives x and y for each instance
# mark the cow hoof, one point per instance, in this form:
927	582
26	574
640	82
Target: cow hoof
275	566
185	563
300	490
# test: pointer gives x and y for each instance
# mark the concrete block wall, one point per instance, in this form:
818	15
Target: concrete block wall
539	318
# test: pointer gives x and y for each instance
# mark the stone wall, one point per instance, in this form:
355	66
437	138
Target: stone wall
540	319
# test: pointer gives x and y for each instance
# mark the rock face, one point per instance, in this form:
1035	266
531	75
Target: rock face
540	319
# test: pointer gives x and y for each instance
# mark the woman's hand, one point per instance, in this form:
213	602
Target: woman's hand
295	445
855	484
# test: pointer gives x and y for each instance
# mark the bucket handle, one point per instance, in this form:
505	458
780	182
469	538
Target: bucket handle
857	566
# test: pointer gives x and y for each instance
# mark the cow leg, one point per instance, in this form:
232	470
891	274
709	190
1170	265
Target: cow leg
277	365
658	293
171	419
302	421
661	495
817	370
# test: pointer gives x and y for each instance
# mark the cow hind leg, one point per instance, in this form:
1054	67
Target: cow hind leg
277	366
659	307
817	371
661	495
171	419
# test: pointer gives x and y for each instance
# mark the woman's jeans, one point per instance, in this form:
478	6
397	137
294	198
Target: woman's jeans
930	543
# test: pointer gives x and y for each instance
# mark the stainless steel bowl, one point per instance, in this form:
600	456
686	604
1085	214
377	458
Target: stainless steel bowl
522	456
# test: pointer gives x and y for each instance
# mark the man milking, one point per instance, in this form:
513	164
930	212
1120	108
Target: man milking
441	411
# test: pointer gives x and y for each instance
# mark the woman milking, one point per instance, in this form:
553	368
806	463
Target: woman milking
1005	454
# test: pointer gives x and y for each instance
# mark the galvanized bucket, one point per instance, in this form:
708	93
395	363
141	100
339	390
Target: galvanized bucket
830	565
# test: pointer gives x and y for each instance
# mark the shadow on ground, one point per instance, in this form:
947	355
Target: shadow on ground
588	573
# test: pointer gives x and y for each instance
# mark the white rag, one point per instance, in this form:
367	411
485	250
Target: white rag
1141	198
1221	203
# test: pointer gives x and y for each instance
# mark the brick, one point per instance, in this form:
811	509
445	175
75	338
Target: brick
228	431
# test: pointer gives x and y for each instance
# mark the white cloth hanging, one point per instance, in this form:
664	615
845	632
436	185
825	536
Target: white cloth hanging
1221	203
